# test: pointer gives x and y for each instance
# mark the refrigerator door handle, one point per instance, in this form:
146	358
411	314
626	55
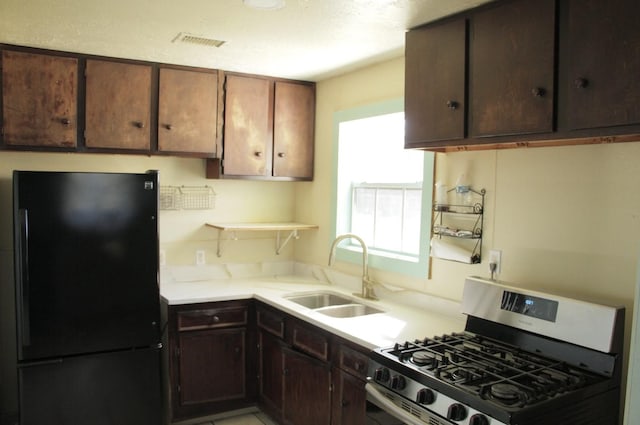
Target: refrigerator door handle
22	250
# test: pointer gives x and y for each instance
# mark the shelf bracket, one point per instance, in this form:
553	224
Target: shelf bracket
279	246
220	240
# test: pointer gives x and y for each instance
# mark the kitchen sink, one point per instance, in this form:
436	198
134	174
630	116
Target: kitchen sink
318	299
348	310
332	304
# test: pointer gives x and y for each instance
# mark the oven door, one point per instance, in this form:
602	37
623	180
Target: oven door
396	409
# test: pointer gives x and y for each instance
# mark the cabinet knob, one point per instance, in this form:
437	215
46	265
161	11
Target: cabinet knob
357	366
216	319
281	155
168	126
344	403
65	121
452	104
538	92
581	82
139	124
258	154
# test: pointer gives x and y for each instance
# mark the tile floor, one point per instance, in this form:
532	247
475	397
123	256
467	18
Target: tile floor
248	419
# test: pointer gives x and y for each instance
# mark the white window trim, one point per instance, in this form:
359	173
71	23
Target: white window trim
416	267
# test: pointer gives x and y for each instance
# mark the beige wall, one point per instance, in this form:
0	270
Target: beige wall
181	232
566	219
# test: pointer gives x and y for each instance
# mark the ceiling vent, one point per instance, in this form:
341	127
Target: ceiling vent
185	37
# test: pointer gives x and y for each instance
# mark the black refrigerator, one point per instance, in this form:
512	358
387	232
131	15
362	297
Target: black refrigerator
87	298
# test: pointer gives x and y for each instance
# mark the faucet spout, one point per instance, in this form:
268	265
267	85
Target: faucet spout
367	284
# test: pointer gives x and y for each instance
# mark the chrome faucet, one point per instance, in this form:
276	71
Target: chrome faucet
367	284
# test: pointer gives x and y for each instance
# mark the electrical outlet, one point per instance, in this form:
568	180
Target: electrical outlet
495	256
200	257
162	258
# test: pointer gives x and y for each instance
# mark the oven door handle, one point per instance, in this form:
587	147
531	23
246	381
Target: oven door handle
383	402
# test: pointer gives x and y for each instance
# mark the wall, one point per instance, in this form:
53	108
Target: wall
181	232
567	219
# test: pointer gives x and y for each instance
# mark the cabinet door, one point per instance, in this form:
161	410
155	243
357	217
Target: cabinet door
248	133
435	83
511	70
271	370
212	366
187	111
118	106
349	399
307	390
602	83
39	100
293	130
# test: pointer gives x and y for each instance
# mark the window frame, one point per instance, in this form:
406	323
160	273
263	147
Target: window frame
347	251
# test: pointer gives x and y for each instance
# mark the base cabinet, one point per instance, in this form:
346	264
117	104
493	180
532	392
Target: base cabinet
307	390
308	376
209	364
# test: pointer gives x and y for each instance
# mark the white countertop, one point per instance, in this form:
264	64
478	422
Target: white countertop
398	323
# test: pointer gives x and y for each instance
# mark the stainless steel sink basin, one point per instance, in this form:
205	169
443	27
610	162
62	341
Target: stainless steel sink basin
318	299
349	310
332	304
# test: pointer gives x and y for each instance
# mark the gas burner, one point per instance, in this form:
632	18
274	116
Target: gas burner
505	391
424	358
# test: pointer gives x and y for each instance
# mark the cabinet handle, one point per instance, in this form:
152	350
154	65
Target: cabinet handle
581	82
452	104
281	155
65	121
258	154
538	92
139	124
357	366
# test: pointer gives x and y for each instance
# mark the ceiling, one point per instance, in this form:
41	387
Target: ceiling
306	39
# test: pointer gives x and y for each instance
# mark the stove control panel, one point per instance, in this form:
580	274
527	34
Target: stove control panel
403	390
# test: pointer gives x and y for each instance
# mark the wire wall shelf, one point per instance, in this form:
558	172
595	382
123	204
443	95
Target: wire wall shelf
187	198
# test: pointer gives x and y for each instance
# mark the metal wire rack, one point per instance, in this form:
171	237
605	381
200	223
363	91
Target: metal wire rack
187	198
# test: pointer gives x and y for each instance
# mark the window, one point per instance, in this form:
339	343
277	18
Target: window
382	191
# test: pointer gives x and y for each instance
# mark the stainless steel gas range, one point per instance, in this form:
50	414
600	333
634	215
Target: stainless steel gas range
524	358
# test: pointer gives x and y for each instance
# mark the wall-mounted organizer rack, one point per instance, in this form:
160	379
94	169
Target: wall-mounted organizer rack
462	220
187	198
292	228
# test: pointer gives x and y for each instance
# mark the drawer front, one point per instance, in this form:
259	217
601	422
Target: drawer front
311	341
271	322
353	361
212	318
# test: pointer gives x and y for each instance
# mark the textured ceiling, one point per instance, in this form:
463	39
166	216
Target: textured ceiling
307	39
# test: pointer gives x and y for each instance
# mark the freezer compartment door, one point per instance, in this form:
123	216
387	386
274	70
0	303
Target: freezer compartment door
121	388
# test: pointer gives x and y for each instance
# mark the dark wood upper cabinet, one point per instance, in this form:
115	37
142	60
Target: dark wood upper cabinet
511	69
269	128
118	105
293	130
435	99
187	111
248	132
603	55
39	100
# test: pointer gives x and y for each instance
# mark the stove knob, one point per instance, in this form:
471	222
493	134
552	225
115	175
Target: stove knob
381	374
478	419
426	396
457	412
398	382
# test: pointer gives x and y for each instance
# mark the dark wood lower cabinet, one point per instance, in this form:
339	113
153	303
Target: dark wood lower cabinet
271	370
211	370
222	357
349	402
307	390
212	366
